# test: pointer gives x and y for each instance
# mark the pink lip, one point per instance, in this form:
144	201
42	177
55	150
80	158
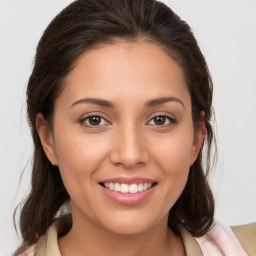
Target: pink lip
127	180
128	198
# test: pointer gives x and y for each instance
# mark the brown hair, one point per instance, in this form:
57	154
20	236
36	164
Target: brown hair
80	26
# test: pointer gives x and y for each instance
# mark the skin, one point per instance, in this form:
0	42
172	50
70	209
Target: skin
127	142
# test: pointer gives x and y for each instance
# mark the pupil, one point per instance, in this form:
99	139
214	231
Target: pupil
94	120
159	120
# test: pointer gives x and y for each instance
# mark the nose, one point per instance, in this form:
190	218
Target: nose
129	148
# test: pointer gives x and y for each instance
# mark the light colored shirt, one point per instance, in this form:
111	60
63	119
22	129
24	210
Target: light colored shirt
219	241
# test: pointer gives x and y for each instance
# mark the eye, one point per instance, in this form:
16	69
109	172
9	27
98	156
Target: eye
94	121
161	120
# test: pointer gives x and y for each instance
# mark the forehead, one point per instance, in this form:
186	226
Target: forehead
126	69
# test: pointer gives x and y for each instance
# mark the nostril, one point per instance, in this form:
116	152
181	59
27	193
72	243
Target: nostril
129	152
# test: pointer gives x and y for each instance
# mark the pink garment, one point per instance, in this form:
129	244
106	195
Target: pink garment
220	241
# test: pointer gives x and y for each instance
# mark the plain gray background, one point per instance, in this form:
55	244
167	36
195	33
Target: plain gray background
226	31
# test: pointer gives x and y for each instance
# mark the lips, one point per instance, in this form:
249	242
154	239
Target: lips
128	191
126	188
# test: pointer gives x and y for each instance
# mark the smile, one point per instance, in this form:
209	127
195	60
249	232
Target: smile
126	188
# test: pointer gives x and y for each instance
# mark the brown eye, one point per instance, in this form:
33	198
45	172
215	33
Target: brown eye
93	121
162	120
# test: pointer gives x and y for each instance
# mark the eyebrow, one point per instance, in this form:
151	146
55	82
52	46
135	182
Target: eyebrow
106	103
100	102
163	100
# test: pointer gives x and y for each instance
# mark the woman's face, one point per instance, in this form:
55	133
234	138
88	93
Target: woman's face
123	122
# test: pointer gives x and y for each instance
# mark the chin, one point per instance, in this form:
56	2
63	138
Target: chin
128	224
127	228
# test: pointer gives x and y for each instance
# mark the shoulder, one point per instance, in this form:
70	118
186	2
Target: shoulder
47	245
235	241
246	234
31	253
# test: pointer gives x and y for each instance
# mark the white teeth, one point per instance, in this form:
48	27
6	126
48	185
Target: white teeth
140	187
111	186
117	187
125	188
133	188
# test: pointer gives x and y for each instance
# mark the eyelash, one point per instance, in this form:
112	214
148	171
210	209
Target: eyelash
85	121
170	119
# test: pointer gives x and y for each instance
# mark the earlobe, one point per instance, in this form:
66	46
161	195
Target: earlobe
46	137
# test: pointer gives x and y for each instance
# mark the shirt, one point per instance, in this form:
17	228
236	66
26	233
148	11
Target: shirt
221	240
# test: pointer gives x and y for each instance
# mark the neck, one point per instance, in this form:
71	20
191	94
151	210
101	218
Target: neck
90	239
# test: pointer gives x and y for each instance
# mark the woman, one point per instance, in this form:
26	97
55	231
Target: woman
119	103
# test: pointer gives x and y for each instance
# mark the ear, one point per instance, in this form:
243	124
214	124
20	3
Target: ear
199	136
46	136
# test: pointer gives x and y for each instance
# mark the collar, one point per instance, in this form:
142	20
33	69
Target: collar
48	244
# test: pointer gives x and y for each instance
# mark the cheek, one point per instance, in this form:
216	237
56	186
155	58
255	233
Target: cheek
174	152
79	156
173	156
73	147
79	159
